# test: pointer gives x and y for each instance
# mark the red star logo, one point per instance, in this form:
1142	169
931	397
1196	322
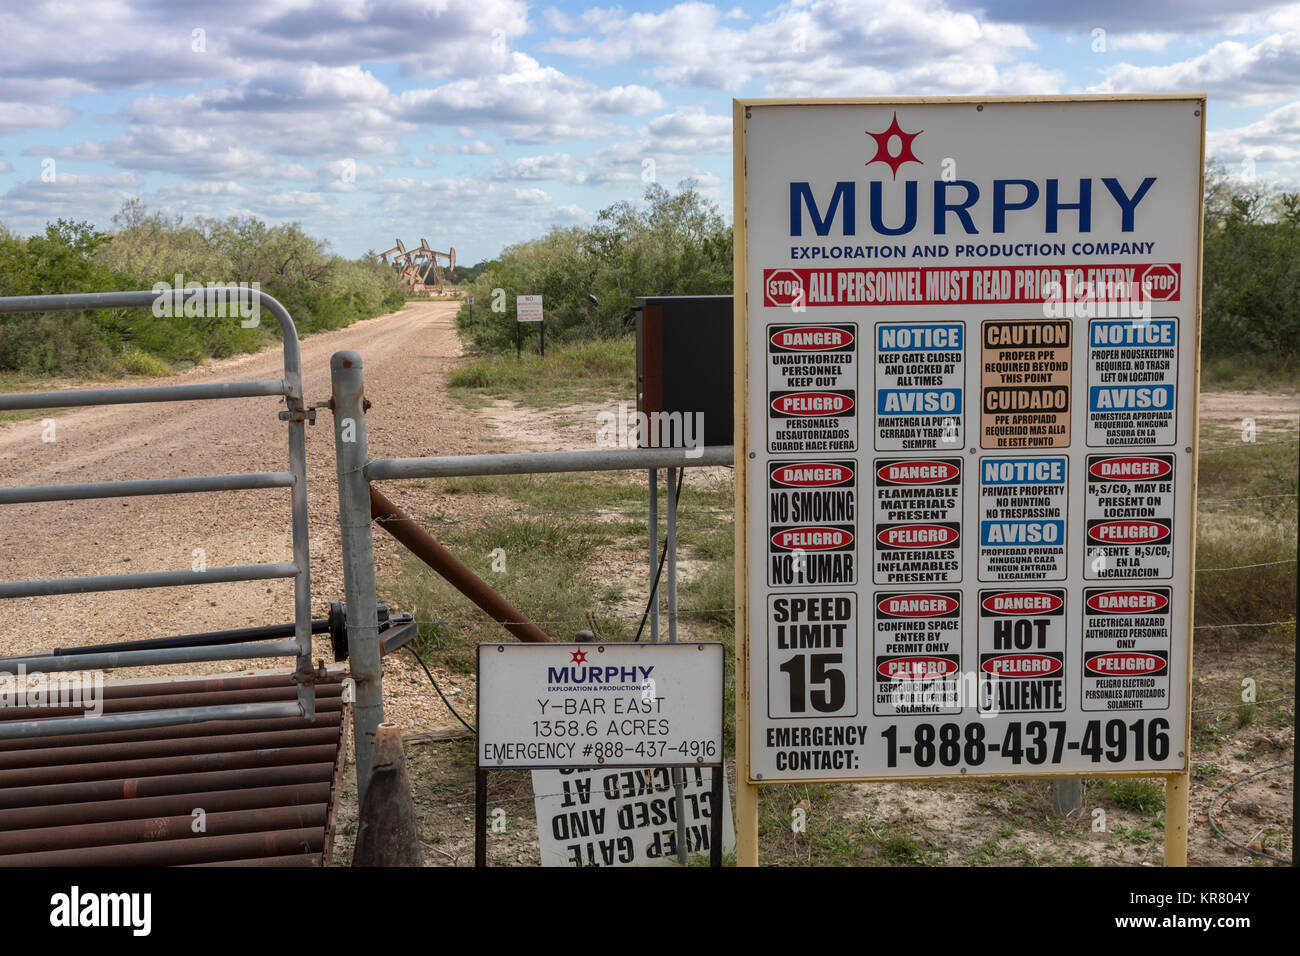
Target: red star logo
904	154
579	657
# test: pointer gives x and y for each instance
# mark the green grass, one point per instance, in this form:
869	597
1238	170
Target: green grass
604	368
1254	373
1132	793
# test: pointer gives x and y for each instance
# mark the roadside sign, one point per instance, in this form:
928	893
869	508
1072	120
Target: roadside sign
599	705
469	299
983	316
528	308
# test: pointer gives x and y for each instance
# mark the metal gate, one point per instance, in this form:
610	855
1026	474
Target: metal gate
295	479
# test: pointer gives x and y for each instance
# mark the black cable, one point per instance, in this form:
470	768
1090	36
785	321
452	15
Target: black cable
439	690
654	587
1214	823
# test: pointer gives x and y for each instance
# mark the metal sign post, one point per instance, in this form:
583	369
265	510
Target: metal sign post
528	308
967	339
606	706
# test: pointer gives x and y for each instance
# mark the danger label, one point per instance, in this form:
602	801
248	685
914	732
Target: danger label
1129	516
920	376
812	654
1022	651
812	380
1022	509
917	531
1132	382
812	522
1025	383
917	653
1126	642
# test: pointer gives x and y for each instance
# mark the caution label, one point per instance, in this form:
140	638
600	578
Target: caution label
1022	512
1025	383
1126	641
812	653
917	537
1132	382
1022	651
917	653
920	379
812	381
1130	516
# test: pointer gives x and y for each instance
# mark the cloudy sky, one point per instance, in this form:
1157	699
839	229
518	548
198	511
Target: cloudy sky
477	123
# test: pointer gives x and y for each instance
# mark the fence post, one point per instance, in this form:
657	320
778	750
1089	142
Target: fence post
348	397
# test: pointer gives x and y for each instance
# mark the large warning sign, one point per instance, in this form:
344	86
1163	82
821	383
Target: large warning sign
812	510
966	446
1132	381
812	381
918	521
1022	650
918	652
1130	512
920	381
1025	383
1126	646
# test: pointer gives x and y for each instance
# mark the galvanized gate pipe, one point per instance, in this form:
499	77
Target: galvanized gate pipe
458	574
347	390
678	775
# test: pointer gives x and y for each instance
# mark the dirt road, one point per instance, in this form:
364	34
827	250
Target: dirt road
405	355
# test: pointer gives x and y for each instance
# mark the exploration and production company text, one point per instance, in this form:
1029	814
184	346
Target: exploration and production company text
969	422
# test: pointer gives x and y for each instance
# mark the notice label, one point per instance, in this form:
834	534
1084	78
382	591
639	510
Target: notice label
1126	641
812	381
917	533
812	653
1130	516
626	817
1025	383
1022	519
917	653
1132	379
1022	651
920	377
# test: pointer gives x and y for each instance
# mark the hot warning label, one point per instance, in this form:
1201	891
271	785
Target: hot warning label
920	375
812	642
1132	382
1022	519
1022	651
812	522
1126	641
917	521
918	653
812	379
1025	383
1130	516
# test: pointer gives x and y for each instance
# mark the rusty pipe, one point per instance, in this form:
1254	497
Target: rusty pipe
105	811
458	574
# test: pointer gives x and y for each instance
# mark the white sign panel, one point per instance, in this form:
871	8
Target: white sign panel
599	705
971	334
625	817
528	308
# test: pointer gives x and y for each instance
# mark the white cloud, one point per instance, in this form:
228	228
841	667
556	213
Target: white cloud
1263	72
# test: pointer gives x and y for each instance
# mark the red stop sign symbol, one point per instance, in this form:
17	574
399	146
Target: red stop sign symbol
1160	283
783	287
